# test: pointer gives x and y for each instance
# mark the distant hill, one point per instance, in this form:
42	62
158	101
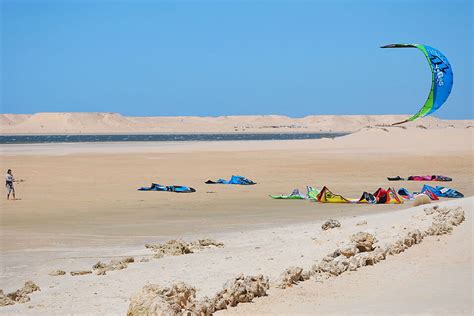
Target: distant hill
114	123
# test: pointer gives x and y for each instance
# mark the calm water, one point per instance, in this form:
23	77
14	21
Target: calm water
38	139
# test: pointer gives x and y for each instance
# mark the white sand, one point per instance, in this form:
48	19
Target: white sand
432	278
267	251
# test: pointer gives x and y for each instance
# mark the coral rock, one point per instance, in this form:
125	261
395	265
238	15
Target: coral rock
155	300
179	247
205	307
457	217
5	300
101	268
396	247
171	248
21	295
363	241
241	290
331	223
82	272
290	276
334	267
437	229
210	242
30	287
349	251
57	272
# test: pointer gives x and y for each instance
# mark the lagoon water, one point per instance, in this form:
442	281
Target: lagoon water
38	139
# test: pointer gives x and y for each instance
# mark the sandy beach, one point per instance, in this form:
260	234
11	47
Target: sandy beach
79	205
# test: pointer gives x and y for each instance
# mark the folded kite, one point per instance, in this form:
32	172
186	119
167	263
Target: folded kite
233	180
168	188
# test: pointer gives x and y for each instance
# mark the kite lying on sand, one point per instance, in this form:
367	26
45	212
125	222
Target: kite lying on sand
429	178
380	196
432	192
441	79
407	195
388	196
421	178
442	191
168	188
233	180
297	195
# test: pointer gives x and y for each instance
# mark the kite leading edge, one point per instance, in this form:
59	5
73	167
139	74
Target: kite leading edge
441	79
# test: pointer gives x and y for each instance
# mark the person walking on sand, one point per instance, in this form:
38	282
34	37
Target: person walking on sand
9	179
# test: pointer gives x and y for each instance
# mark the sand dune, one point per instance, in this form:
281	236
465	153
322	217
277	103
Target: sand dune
114	123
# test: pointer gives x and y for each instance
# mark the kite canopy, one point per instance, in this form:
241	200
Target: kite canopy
441	79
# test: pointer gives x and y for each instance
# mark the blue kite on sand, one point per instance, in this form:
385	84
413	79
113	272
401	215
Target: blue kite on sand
442	191
233	180
168	188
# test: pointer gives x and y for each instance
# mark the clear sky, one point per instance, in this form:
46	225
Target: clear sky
231	57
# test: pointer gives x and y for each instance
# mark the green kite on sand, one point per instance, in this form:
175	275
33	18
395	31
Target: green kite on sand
297	195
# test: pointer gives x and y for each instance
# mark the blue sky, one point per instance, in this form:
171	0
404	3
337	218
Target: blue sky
230	57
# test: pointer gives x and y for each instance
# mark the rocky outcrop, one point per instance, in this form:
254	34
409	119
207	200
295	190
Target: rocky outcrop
179	247
242	289
171	248
101	268
349	251
444	219
156	300
363	241
20	295
57	272
80	272
437	229
291	276
330	223
5	300
179	299
207	243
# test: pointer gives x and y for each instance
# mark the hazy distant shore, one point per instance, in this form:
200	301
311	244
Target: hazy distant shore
114	123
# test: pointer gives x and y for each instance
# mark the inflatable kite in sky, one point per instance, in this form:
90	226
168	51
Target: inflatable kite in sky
441	79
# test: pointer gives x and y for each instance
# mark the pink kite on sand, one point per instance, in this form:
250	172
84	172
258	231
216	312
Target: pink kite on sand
429	178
